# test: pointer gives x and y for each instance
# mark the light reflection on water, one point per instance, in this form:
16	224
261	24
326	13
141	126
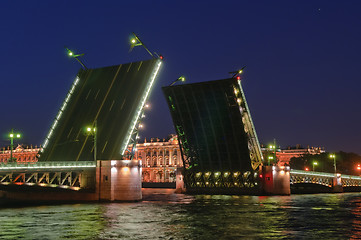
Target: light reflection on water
171	216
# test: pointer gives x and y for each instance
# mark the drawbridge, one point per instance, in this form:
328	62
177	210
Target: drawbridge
109	102
218	140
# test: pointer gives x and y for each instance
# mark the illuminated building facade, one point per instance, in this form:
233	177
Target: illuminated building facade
284	156
160	159
21	154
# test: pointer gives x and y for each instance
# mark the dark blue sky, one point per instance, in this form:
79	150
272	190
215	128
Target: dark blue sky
303	58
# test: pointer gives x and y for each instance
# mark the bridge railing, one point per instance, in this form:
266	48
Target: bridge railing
47	165
300	176
70	175
311	173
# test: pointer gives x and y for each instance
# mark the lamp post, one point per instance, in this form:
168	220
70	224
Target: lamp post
269	160
135	41
273	147
181	78
93	131
313	165
334	161
12	135
76	56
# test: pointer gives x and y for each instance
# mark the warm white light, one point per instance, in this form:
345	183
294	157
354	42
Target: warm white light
60	111
135	119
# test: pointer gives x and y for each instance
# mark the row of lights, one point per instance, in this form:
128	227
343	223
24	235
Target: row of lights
57	118
217	174
216	183
140	108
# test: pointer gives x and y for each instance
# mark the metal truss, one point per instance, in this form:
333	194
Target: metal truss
67	179
240	180
253	143
187	155
350	182
320	180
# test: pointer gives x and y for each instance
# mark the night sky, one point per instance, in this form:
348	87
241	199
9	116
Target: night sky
303	60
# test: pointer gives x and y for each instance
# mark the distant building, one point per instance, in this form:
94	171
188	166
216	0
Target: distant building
284	155
20	153
160	159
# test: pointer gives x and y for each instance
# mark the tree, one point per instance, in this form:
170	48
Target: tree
346	163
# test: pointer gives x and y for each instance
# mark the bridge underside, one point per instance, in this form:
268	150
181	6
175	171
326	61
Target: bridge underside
216	135
109	100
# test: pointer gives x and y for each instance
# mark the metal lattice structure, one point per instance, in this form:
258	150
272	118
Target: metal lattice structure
350	181
215	132
298	176
73	176
236	180
322	178
110	99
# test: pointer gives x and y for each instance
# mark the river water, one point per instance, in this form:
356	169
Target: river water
164	215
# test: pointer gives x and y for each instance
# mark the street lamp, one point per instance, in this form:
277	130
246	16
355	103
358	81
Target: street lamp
135	41
238	72
93	131
181	78
269	160
334	161
358	168
12	135
76	56
313	166
273	147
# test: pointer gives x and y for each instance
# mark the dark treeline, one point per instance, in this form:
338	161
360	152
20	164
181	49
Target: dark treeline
346	163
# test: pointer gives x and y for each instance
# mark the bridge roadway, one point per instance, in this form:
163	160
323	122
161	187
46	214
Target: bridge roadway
77	175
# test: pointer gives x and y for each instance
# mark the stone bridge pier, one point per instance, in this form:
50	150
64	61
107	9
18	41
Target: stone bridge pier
275	180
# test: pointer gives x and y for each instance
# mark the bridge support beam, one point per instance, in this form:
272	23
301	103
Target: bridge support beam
276	180
119	180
